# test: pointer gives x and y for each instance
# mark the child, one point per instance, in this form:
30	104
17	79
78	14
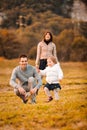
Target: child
54	74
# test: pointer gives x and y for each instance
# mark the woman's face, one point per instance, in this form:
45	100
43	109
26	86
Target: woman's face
47	36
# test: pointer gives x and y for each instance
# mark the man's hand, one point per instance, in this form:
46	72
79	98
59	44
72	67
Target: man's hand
33	90
22	91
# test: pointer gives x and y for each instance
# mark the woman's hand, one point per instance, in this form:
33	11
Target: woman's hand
37	68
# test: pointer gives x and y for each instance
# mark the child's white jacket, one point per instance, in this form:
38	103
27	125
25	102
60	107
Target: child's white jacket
53	74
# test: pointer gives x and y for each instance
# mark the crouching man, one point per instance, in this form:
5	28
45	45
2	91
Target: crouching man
25	80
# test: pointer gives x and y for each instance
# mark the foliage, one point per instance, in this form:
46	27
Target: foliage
79	49
65	45
9	46
33	52
16	8
25	40
40	16
83	29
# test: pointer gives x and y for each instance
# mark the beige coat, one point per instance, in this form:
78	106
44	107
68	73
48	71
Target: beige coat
44	51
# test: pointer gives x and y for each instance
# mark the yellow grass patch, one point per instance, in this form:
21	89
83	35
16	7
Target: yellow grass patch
69	113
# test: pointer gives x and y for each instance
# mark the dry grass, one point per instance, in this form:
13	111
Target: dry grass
69	113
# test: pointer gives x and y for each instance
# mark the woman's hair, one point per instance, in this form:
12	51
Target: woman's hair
51	37
53	59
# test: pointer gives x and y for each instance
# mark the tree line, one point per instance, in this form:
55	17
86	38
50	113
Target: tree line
25	22
69	47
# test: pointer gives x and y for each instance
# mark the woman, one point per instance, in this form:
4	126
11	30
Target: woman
45	49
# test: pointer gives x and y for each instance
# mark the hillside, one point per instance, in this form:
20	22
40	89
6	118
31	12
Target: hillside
23	23
11	10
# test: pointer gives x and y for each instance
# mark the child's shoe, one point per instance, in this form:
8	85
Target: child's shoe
50	99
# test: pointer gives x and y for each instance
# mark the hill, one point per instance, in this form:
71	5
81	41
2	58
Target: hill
14	8
23	23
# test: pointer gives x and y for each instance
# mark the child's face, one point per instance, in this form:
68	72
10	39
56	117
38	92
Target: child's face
50	62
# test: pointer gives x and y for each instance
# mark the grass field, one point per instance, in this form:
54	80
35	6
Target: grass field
69	113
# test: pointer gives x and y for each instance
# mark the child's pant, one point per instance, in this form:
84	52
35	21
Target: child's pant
47	92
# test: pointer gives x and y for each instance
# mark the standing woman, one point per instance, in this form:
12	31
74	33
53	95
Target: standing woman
45	49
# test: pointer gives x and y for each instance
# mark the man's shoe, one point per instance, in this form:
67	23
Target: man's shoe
37	91
25	101
33	102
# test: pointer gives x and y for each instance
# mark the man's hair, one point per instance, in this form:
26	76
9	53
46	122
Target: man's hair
53	59
23	56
